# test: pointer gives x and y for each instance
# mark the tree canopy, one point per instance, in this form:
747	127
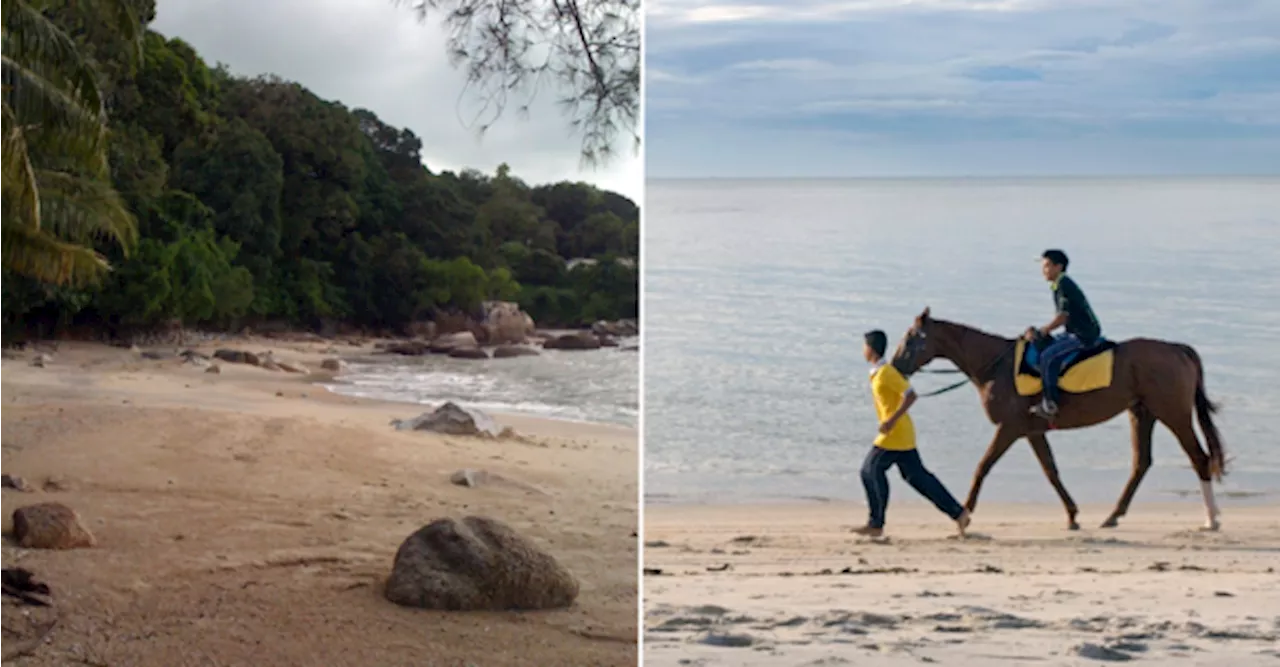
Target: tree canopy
257	201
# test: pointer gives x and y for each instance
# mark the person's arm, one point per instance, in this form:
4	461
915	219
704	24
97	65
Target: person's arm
1058	320
908	400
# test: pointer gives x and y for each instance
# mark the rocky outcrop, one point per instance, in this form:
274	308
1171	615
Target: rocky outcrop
583	340
50	526
449	342
468	353
617	329
504	323
475	564
333	365
453	419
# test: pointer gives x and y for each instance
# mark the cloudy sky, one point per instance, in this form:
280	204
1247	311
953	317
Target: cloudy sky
372	54
962	87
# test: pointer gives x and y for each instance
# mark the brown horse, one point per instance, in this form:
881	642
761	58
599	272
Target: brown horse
1156	381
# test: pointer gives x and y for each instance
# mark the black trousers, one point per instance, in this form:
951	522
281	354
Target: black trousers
912	468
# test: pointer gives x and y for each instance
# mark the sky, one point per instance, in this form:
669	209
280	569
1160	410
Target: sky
866	88
375	55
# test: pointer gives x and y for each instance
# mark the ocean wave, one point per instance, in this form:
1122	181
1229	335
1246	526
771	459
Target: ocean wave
586	387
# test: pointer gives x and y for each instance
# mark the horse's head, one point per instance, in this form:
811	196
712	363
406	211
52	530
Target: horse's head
918	346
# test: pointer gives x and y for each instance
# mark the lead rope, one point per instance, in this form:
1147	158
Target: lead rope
952	371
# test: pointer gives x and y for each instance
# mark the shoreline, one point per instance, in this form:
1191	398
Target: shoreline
252	516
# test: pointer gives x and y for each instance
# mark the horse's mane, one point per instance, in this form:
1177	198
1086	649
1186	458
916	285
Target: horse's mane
968	330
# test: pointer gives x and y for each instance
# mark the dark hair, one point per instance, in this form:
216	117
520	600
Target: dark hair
877	340
1057	257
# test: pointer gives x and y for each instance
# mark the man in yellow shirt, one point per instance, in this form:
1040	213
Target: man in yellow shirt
896	444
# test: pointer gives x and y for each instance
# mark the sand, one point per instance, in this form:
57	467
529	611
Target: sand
788	585
251	517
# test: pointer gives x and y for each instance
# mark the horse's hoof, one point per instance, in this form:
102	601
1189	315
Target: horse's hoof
1073	526
1110	523
1211	526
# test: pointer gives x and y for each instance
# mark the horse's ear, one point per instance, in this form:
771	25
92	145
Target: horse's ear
924	317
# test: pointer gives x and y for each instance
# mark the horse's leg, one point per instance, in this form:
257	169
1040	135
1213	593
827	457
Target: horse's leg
1186	435
1000	443
1142	423
1040	445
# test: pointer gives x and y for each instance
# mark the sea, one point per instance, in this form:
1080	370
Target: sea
594	386
757	293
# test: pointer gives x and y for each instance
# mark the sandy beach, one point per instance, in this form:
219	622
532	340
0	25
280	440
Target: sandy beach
788	585
251	517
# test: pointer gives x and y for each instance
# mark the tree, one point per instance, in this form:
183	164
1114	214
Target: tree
255	201
57	199
589	50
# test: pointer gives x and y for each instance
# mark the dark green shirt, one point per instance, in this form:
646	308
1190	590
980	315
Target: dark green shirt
1081	321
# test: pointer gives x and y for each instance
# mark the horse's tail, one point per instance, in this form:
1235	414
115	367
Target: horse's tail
1205	410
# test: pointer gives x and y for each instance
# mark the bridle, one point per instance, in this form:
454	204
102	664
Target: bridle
915	344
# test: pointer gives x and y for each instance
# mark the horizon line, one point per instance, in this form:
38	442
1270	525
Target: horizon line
993	177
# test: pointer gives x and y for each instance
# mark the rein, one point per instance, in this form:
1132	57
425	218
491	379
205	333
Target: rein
952	371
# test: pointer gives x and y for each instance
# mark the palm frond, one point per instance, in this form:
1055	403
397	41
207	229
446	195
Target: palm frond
83	210
54	117
32	39
37	254
19	180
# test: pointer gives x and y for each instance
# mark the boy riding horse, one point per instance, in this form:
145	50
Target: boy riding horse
1082	329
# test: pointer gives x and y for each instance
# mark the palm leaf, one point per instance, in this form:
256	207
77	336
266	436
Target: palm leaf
33	40
22	199
37	254
56	121
84	210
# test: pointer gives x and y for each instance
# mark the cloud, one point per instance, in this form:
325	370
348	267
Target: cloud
374	55
962	86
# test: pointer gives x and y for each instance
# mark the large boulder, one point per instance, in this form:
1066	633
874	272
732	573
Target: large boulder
50	526
468	353
451	341
474	564
583	340
505	323
452	419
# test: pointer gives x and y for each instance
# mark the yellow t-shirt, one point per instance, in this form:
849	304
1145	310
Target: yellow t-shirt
888	386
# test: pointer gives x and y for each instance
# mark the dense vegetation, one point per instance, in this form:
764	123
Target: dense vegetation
257	201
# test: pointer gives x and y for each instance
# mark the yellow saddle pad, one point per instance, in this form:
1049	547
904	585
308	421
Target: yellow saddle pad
1088	375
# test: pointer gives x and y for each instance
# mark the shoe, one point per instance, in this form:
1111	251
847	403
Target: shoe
869	531
1046	410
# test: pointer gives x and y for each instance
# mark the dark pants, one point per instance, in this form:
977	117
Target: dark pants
912	468
1051	361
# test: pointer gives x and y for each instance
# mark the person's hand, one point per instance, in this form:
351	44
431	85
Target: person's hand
886	426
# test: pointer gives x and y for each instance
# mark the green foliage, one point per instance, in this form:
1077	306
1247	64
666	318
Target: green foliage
56	201
256	200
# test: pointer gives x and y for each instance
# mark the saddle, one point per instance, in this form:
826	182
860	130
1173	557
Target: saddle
1087	370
